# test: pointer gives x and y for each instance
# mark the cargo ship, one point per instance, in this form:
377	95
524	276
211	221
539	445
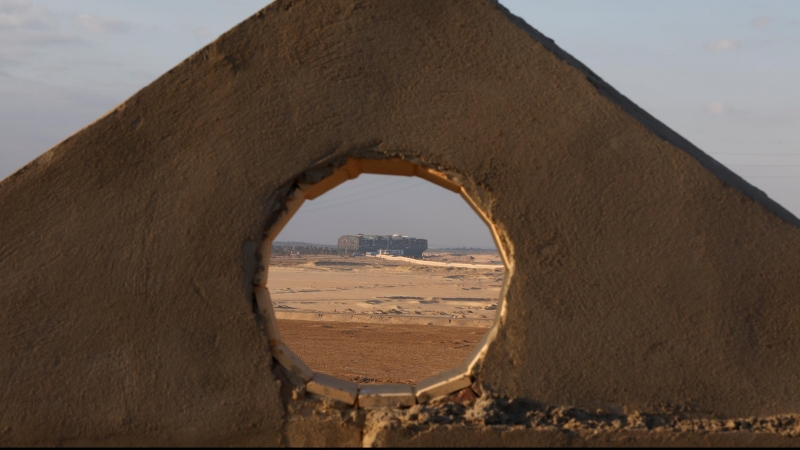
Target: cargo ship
392	245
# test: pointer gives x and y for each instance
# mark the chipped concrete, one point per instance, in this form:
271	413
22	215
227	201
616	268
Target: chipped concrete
321	423
445	383
333	388
386	395
506	422
293	364
646	276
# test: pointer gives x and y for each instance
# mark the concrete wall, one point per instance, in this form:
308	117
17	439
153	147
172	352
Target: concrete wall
646	276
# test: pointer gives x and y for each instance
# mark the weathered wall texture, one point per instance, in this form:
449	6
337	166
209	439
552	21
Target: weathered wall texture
645	276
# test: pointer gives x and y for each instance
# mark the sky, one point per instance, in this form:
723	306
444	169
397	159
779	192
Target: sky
722	73
381	204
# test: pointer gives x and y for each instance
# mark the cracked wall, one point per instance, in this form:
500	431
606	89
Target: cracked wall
648	278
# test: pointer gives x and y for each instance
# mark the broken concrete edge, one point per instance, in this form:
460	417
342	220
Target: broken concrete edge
475	359
499	415
276	216
333	388
371	395
504	247
264	303
444	384
496	235
292	363
293	204
651	123
386	395
310	185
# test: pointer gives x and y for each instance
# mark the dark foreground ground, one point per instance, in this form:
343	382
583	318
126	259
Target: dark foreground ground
378	353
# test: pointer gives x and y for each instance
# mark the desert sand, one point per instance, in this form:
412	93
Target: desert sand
384	320
379	353
375	286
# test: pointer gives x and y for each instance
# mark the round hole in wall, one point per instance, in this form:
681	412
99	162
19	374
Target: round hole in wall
339	302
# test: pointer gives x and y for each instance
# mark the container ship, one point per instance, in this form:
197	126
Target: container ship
390	245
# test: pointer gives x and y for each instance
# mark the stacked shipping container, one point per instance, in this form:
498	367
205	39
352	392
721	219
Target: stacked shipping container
396	244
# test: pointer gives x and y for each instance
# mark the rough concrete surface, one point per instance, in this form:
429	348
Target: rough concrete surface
321	423
491	422
646	276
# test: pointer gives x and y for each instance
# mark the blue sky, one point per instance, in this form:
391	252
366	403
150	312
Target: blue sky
723	73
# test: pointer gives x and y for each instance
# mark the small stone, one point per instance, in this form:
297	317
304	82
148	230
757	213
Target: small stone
464	396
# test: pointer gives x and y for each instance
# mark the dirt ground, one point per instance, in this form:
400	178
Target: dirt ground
378	353
402	342
379	286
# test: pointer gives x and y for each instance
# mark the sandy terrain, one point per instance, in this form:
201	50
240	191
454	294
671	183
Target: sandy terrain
376	353
376	320
434	263
377	286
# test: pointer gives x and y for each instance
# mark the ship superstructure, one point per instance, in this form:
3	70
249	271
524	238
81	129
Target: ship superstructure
393	245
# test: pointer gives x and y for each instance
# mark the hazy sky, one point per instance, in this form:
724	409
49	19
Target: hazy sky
725	74
380	204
